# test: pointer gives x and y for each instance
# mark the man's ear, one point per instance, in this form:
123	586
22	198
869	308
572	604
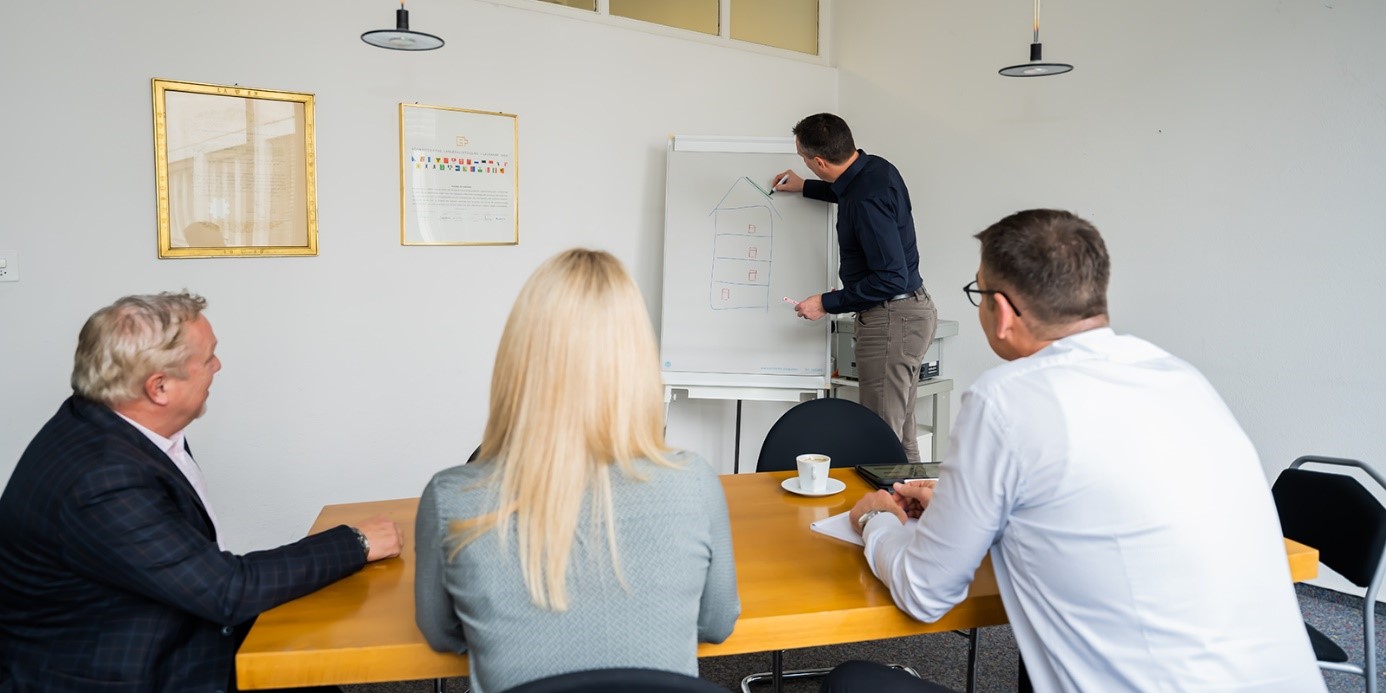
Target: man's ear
1006	320
154	388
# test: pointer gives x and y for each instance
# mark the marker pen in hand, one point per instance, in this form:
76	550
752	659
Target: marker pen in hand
790	300
772	192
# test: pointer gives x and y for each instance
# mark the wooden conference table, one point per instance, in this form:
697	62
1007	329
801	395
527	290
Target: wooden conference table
361	629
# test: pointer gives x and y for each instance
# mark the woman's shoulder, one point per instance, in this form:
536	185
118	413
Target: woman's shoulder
454	484
679	467
470	470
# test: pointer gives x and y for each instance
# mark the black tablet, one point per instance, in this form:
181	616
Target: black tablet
885	475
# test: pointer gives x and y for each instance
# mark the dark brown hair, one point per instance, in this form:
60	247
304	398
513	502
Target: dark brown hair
1053	260
825	135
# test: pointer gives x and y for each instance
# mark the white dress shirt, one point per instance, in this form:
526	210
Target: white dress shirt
178	453
1135	542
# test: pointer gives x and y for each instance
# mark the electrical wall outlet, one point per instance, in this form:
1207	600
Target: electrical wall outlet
9	266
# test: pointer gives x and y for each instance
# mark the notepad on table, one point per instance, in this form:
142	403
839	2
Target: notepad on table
839	526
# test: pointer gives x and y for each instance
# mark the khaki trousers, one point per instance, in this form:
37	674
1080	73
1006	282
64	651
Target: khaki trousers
891	341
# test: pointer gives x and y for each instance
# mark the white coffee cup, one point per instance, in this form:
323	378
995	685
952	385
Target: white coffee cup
813	472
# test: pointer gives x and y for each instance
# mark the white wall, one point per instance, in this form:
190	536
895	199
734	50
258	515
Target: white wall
356	374
1233	154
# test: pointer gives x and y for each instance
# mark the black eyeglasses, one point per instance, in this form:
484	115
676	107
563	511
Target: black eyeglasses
975	295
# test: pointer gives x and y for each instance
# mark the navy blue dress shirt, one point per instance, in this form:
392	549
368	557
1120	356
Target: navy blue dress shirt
875	234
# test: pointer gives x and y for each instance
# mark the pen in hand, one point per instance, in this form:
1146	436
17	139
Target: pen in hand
782	182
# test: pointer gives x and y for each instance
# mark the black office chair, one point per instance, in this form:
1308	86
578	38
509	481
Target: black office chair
848	433
1338	516
619	681
841	429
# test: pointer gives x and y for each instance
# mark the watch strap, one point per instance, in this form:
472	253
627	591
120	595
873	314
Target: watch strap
866	517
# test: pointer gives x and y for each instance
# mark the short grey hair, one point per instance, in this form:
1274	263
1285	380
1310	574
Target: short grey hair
124	343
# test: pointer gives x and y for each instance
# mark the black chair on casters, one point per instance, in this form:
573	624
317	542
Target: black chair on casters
1338	516
619	681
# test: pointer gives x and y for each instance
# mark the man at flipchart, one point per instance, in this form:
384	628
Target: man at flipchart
879	268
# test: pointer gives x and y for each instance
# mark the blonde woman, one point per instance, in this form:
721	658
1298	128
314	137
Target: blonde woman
578	539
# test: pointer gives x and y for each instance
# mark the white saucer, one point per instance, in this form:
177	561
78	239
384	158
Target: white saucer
792	485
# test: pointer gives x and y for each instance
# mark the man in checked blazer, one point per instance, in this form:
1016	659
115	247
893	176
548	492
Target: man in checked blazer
113	576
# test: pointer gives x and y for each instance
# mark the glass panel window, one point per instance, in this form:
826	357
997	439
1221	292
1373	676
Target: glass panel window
589	5
694	15
789	24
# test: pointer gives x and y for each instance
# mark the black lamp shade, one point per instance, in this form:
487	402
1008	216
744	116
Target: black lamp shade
401	38
1036	67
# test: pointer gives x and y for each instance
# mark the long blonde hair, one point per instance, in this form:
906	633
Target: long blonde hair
575	390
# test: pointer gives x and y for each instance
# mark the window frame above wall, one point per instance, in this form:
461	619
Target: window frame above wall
602	16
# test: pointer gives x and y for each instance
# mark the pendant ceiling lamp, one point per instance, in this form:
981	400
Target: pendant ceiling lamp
1036	67
401	38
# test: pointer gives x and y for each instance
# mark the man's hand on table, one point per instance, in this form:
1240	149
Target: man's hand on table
877	500
384	537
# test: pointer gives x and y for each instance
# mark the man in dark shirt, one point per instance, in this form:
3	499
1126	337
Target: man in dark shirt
879	271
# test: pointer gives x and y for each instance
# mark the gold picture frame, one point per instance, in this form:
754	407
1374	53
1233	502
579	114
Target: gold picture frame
235	170
458	176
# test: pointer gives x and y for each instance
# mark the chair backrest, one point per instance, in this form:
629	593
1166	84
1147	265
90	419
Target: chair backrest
1335	514
842	429
619	681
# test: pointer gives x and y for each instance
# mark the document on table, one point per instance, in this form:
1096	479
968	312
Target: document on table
839	526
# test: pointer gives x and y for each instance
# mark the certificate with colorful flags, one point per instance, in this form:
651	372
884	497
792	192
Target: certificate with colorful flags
458	176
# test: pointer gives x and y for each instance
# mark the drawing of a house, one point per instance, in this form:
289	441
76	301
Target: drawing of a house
743	234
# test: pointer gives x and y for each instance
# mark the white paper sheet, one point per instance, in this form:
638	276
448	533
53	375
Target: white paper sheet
839	526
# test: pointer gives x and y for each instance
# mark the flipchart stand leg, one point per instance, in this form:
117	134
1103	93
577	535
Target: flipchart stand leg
736	453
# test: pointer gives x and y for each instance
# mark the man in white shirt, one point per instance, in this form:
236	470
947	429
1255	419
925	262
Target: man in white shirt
114	570
1115	575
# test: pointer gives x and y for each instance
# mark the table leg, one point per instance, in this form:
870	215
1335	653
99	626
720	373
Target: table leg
736	451
1022	684
972	636
777	670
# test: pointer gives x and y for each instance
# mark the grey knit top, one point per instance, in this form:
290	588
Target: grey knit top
674	544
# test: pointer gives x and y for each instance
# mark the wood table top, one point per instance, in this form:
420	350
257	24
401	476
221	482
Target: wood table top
361	629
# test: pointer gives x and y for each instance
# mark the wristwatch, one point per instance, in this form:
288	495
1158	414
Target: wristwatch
366	544
866	517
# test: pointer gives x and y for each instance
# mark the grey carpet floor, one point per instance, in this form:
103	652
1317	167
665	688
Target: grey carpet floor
942	657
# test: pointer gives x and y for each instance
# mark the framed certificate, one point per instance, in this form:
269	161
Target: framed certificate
234	168
459	182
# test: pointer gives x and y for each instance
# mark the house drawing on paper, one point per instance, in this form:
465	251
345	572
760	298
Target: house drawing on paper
743	235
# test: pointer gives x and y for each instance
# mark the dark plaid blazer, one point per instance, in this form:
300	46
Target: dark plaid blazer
110	575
